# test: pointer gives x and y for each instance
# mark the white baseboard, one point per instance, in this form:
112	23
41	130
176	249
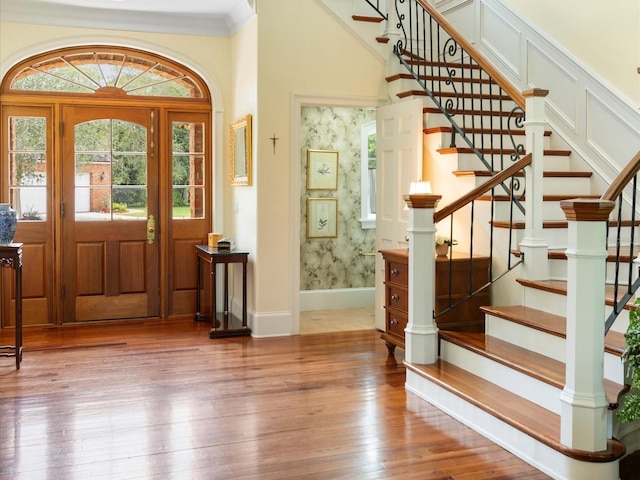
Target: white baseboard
336	299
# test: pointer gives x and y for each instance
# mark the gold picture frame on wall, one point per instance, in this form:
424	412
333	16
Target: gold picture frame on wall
241	152
322	169
322	217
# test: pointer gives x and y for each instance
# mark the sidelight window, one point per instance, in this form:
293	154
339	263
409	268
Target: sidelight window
188	164
28	166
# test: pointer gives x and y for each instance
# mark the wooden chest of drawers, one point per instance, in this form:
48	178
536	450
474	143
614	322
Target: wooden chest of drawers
453	276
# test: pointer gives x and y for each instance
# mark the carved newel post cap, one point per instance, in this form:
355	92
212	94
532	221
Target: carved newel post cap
587	209
422	200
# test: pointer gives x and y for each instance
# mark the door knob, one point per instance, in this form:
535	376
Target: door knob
151	229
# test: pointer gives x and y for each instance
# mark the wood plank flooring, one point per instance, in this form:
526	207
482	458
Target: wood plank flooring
160	400
346	320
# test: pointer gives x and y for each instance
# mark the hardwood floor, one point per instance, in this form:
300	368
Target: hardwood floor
326	321
160	400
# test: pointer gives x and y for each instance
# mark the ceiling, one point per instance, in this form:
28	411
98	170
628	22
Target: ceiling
196	17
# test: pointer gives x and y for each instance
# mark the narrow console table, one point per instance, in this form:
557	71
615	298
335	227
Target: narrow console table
223	324
11	256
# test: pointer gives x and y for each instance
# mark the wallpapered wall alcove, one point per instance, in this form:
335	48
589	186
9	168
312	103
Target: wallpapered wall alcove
332	263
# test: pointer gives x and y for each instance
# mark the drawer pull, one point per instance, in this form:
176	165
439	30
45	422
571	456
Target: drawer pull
394	297
394	322
394	272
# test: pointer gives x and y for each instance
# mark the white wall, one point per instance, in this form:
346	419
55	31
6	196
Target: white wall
240	203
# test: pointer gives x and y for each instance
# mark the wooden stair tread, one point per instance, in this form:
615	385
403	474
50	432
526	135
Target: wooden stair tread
625	254
367	18
521	225
547	174
537	422
545	198
552	224
494	113
530	317
548	322
435	78
494	131
560	254
477	96
505	151
414	59
532	364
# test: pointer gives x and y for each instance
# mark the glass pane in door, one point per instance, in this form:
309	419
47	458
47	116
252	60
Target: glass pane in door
110	171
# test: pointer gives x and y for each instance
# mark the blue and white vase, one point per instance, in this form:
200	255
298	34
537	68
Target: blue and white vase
8	222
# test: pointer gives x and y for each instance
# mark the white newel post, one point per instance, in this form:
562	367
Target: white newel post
533	245
584	402
421	333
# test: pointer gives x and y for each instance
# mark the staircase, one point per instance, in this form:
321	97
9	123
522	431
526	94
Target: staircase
508	381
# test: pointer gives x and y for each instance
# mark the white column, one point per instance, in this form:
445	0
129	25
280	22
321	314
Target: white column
533	245
584	401
421	333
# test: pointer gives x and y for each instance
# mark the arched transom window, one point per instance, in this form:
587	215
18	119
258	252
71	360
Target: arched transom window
106	71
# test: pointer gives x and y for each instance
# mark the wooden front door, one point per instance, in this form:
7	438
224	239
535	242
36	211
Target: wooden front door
109	216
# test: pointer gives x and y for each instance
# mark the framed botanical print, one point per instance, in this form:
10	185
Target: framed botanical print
322	217
322	170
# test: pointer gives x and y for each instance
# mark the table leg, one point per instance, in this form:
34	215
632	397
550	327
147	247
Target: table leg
198	316
212	290
225	300
244	295
18	279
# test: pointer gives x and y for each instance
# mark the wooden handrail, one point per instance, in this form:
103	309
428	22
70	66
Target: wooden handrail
485	64
623	179
482	189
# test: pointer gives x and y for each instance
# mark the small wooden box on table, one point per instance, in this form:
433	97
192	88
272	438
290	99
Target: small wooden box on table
11	256
224	323
452	274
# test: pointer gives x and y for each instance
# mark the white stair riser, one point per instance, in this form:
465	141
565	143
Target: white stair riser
540	342
545	344
502	211
556	238
467	161
552	302
558	271
457	105
622	321
576	186
523	385
613	369
498	140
